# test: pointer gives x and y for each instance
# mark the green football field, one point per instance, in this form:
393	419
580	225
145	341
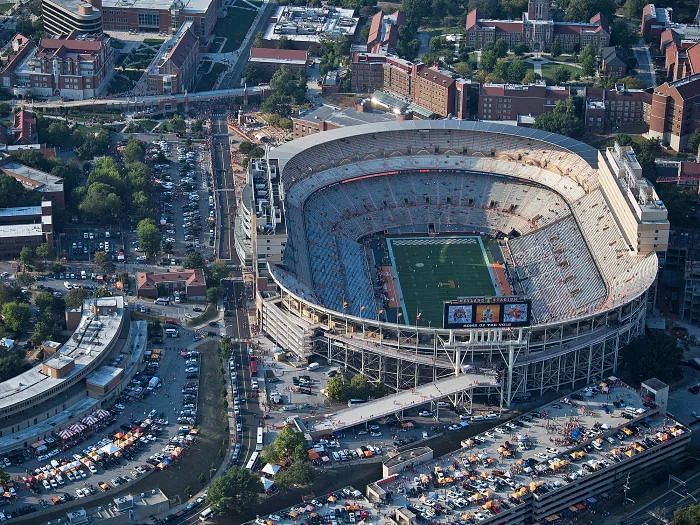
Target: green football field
432	270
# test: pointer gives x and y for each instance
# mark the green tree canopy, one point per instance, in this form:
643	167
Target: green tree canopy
15	316
689	515
562	119
12	193
235	490
149	236
75	297
134	151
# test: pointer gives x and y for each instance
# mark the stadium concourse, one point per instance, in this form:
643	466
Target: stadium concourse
372	241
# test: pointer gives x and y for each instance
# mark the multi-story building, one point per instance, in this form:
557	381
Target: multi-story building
655	20
306	26
50	186
537	30
617	109
367	72
74	67
161	16
681	49
675	112
29	226
508	101
269	60
327	117
384	32
614	60
174	68
62	17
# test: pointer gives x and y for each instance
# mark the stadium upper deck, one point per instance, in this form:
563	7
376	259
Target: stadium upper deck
570	245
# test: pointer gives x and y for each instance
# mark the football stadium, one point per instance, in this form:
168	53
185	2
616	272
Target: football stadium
418	251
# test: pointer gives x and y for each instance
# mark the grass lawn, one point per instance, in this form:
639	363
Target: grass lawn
234	27
5	8
153	41
206	82
548	70
432	270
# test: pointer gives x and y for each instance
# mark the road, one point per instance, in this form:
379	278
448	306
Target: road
224	188
645	64
150	100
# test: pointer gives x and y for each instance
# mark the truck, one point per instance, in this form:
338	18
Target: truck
153	383
83	274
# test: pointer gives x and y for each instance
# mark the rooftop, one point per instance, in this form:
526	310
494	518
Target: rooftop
44	182
91	338
20	230
345	116
188	6
288	56
104	375
311	24
20	211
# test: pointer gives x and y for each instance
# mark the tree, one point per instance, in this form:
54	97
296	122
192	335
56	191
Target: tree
556	47
694	142
217	271
587	60
299	473
5	109
562	119
15	316
336	388
633	9
500	47
26	257
653	355
488	60
530	77
516	71
583	10
4	477
621	34
235	490
561	74
12	364
212	294
689	515
520	49
134	151
646	151
194	260
25	279
148	236
44	251
75	297
12	193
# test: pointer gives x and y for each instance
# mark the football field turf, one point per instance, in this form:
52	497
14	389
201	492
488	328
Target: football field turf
435	269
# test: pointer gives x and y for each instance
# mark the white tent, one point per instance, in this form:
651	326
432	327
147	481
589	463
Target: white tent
267	483
110	449
271	468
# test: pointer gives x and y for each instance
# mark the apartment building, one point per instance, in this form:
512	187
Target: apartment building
537	30
617	110
508	101
681	49
367	72
75	67
675	112
174	68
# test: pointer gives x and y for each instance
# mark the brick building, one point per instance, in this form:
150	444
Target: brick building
75	67
269	60
537	30
614	60
681	49
174	68
384	32
655	20
50	186
617	109
508	101
675	112
190	282
367	72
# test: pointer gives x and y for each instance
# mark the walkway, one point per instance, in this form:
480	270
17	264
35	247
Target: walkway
404	400
645	65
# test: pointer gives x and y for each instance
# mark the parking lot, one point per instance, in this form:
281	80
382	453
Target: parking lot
150	427
187	208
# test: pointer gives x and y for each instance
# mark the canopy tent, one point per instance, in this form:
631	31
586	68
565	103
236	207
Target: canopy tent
271	469
267	483
110	449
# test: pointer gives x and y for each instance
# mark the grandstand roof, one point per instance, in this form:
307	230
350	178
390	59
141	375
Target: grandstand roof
287	151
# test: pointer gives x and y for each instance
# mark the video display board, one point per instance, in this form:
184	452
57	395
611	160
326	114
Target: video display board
487	312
